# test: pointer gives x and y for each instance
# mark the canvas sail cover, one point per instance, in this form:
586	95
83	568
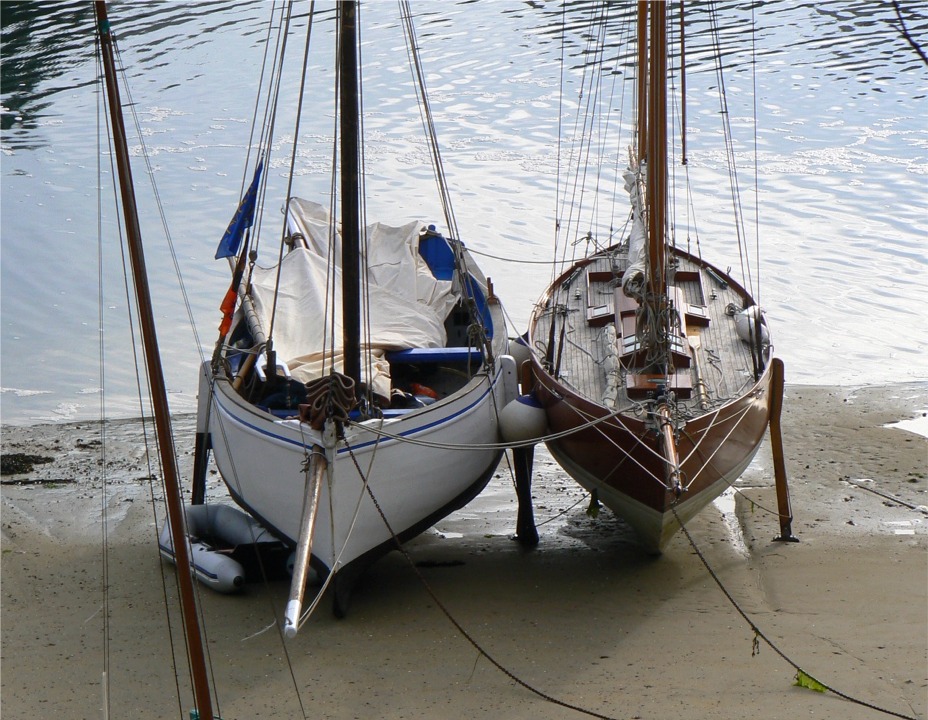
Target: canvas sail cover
633	280
407	305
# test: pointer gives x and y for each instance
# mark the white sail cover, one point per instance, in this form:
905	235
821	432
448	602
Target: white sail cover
407	304
633	279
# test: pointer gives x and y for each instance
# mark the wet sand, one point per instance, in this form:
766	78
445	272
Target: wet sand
584	618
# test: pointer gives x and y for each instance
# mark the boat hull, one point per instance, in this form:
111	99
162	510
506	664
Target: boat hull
619	460
263	461
618	453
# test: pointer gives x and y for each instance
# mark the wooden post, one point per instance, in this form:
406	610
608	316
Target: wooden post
201	450
526	532
777	382
523	459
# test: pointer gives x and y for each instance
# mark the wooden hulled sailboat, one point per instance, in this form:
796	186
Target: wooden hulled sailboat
653	366
348	389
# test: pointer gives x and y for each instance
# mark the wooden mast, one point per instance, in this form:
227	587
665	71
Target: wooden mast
642	79
350	189
655	111
656	192
175	509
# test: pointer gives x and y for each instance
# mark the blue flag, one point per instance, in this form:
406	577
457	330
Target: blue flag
244	217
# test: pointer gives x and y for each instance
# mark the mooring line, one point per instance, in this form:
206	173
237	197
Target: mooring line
898	501
758	633
460	628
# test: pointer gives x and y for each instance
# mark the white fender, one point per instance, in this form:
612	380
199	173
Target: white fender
523	419
746	322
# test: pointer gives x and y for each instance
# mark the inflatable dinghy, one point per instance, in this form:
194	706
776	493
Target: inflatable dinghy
214	535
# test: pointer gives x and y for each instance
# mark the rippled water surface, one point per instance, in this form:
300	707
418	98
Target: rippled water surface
841	146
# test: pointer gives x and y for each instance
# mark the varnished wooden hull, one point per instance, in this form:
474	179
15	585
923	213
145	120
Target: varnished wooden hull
620	458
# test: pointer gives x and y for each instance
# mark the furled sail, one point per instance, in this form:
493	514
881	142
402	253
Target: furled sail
634	277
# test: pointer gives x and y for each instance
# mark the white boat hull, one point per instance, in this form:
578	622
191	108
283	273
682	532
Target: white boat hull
263	461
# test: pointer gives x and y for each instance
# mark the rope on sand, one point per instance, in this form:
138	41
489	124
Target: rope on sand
803	678
887	496
460	628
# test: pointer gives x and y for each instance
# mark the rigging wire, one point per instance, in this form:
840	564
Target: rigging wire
560	132
132	309
104	514
715	34
279	73
428	120
469	292
758	633
263	139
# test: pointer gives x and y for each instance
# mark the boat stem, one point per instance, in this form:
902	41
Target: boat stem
318	465
670	450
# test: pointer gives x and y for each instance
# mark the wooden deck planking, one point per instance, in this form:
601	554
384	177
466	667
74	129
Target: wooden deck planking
723	360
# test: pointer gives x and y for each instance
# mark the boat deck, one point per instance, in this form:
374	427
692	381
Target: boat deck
595	345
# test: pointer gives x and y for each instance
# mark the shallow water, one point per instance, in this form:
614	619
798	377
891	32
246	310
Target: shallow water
841	149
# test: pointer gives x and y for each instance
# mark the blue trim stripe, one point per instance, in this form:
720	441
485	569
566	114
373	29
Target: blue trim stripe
414	431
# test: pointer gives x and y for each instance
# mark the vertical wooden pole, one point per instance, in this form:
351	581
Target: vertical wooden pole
777	383
526	532
173	500
350	189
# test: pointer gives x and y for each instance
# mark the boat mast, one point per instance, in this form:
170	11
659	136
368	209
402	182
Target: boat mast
652	154
350	189
642	148
656	204
656	193
175	510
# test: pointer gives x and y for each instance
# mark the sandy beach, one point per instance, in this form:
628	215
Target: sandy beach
584	618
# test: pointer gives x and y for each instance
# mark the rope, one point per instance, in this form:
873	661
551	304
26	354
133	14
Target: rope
142	392
893	498
460	628
488	446
718	447
615	415
758	633
518	261
104	477
905	33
